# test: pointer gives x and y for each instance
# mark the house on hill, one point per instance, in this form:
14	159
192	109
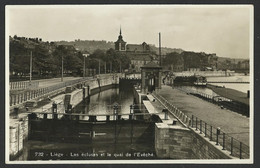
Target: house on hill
139	54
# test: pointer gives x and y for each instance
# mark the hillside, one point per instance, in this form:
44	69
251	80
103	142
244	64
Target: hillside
166	50
92	45
88	45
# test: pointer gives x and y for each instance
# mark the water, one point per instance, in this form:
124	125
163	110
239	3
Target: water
102	103
236	78
99	103
242	87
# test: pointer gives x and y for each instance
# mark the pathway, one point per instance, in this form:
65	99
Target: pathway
230	122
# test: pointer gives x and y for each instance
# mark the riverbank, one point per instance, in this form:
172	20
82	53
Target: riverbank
231	94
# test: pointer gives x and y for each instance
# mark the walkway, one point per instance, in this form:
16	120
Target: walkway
53	81
230	122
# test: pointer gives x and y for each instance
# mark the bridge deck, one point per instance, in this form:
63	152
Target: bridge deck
230	122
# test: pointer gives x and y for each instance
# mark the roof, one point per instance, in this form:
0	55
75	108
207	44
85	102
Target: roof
133	47
151	65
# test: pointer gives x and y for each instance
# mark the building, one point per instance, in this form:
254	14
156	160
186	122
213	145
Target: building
120	43
140	59
139	54
138	48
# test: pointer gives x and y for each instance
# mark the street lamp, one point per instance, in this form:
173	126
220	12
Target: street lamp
62	68
131	116
110	67
105	67
120	67
115	108
131	108
31	68
98	66
84	65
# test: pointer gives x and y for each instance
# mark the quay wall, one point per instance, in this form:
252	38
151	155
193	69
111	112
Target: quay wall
175	142
87	89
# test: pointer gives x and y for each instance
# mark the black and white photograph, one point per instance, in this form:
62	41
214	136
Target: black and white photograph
129	84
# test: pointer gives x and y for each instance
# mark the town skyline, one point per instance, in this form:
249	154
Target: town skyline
224	30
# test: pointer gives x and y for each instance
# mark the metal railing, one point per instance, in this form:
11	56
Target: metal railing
27	95
229	143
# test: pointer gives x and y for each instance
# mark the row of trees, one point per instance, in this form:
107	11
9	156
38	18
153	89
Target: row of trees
109	60
47	60
188	59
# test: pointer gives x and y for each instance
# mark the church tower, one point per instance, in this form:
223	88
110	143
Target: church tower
120	43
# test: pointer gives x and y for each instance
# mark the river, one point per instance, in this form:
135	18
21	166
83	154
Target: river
243	87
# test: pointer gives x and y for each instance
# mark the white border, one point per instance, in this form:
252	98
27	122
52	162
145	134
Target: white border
198	161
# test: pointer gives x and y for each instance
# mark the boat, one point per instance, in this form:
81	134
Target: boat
201	81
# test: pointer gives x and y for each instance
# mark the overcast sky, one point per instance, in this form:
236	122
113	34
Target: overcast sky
224	30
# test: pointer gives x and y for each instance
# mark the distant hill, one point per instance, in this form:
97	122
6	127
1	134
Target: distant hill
166	50
88	45
91	45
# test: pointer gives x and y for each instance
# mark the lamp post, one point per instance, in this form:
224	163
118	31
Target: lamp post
120	67
31	68
98	66
115	107
105	67
131	111
131	108
110	67
84	65
62	68
84	68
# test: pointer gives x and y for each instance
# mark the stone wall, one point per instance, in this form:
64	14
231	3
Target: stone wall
176	142
205	149
18	134
173	142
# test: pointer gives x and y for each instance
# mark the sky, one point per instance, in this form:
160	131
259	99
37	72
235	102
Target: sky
224	30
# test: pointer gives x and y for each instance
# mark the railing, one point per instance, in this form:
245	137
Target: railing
23	85
32	94
234	146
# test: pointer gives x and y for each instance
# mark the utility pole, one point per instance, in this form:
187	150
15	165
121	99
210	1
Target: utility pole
160	54
84	68
31	67
62	68
120	67
110	67
105	67
99	66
